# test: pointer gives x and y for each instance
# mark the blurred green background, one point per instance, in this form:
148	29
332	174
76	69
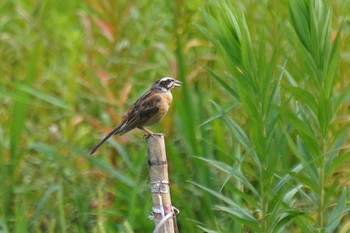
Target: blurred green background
69	70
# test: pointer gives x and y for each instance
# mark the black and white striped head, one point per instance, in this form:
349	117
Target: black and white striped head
166	84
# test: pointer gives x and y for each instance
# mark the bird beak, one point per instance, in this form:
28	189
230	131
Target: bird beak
177	83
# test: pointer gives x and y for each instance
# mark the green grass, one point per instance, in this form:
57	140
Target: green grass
257	137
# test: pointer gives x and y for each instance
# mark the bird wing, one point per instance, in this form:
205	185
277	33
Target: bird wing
145	111
141	113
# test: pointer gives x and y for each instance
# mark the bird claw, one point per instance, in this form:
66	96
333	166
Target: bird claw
147	135
160	134
154	135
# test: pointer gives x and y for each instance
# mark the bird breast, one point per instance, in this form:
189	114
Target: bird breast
163	103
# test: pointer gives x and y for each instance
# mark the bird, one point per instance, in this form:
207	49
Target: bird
147	110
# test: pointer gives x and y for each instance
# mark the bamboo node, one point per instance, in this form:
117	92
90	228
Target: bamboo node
156	163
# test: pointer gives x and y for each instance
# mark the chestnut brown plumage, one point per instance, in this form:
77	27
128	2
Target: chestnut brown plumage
147	110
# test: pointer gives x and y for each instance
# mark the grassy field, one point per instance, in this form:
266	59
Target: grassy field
257	137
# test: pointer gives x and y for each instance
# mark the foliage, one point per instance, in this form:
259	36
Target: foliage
256	138
294	115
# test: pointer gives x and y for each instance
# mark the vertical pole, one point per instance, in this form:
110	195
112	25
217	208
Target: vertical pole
163	212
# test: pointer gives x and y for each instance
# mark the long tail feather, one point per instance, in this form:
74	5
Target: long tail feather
114	131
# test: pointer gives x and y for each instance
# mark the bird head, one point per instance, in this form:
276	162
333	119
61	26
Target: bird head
166	83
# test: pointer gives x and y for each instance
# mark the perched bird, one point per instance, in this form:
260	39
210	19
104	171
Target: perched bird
147	110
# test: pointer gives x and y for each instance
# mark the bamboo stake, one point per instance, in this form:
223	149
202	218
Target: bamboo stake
162	210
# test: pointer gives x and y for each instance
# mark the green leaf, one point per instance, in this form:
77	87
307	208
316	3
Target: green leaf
242	215
336	163
337	213
108	168
332	71
287	217
55	101
325	112
304	96
207	230
221	112
21	218
337	145
224	84
43	200
234	171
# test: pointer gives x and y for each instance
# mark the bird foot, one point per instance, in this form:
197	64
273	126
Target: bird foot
154	135
149	133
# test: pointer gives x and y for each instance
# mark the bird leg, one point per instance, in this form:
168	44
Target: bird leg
147	131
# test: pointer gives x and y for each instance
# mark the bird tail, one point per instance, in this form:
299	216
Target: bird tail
114	131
